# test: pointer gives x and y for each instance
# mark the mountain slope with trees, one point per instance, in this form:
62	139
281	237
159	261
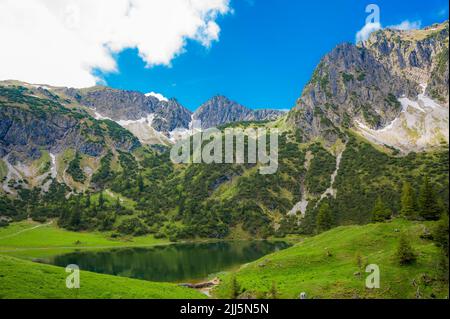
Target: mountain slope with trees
59	160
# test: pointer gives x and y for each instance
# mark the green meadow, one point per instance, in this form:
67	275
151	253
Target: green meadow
329	265
20	279
332	265
30	239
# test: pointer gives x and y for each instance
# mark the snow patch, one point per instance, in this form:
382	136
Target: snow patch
53	170
422	123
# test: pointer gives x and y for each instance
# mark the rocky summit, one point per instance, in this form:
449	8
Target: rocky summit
395	82
220	110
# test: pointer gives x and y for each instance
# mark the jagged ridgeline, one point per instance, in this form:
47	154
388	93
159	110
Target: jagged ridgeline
373	118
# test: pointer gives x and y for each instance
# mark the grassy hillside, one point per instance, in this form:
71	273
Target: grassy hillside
29	239
25	279
325	266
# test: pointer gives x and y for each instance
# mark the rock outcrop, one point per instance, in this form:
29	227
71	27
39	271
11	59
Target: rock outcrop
361	85
220	110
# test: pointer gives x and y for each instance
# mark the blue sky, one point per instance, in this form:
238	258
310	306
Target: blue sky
267	50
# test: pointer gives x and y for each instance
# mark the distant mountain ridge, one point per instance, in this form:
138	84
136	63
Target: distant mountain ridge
152	120
220	110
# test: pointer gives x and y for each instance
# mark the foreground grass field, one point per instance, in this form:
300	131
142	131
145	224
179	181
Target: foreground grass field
29	240
326	266
22	279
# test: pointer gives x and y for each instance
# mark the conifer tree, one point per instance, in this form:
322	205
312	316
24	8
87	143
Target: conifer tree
324	219
441	234
88	200
429	208
407	202
140	183
380	212
405	253
235	288
75	218
101	200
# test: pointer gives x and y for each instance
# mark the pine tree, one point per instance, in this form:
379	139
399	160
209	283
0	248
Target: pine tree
441	238
235	288
429	208
407	202
101	200
118	205
380	212
441	234
88	200
405	253
324	219
140	183
75	217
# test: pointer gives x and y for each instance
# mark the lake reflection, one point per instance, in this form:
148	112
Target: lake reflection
172	263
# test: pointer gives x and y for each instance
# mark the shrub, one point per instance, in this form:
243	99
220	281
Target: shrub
405	253
133	226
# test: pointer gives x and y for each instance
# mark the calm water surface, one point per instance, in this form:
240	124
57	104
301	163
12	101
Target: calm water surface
172	263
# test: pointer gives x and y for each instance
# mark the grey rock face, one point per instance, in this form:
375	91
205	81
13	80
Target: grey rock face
129	105
117	104
220	110
26	129
170	116
363	83
410	54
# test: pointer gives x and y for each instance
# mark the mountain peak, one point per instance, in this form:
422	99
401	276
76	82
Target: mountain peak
371	88
220	110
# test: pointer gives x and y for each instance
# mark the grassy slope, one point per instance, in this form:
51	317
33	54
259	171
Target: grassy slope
23	240
24	279
306	267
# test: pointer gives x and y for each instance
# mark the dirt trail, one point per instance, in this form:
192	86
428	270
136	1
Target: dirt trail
26	230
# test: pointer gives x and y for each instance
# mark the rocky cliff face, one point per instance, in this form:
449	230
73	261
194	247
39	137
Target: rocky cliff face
220	110
121	105
417	55
151	120
361	86
30	125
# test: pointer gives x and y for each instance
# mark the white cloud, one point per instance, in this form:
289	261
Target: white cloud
61	42
367	30
406	25
158	96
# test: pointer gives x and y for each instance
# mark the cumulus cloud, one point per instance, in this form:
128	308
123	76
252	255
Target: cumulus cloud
159	96
62	42
406	25
369	28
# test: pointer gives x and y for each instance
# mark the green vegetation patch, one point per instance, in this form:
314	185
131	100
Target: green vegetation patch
332	265
21	279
